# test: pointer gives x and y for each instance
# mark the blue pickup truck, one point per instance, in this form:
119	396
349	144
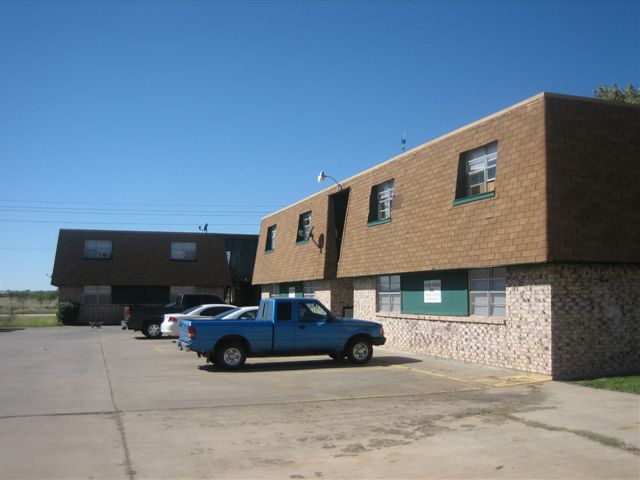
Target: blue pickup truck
283	326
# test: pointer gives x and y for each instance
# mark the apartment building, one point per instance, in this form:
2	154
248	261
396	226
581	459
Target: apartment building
513	241
103	270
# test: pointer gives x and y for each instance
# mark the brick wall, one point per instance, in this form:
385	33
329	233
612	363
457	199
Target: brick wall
596	319
520	341
562	320
110	314
335	294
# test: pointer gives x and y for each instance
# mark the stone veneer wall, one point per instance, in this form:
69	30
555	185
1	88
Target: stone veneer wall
335	294
109	314
562	320
521	341
596	320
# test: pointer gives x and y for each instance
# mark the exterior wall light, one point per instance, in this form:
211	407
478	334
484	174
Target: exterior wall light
322	176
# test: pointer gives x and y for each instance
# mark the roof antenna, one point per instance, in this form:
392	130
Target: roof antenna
403	141
203	229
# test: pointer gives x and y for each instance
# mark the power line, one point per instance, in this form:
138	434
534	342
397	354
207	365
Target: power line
237	205
77	211
193	224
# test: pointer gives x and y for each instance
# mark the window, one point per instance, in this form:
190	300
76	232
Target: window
477	171
271	239
283	311
304	227
274	290
311	313
380	202
97	294
183	250
309	289
97	249
389	293
250	315
264	311
487	292
213	311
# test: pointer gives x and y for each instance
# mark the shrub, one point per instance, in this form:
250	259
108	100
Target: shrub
68	312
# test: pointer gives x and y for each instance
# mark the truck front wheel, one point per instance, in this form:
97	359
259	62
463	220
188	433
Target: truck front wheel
360	351
230	356
151	330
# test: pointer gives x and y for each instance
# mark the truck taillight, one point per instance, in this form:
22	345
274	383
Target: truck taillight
192	332
382	331
173	319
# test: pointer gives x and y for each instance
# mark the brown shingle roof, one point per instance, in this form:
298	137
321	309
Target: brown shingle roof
140	258
542	210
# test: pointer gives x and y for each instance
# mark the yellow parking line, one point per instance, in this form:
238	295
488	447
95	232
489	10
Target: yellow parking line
158	349
495	382
433	374
521	379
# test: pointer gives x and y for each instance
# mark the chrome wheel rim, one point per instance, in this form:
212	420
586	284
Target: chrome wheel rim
232	356
154	330
360	351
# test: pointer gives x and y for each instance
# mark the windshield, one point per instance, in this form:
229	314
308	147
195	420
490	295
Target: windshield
224	314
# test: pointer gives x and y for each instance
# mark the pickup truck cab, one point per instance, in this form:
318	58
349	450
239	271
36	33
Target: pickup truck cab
283	326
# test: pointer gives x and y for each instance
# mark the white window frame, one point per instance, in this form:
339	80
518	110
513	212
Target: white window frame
271	238
185	251
388	294
98	249
384	193
96	294
488	292
305	223
480	169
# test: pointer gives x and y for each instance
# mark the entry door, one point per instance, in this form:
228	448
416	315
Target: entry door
316	328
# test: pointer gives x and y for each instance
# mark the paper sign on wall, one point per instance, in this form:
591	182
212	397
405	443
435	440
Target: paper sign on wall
432	291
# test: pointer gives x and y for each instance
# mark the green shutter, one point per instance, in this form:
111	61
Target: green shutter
454	293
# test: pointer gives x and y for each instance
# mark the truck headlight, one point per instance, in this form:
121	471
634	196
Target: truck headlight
382	331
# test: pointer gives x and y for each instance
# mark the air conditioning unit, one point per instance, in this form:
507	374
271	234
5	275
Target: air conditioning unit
104	254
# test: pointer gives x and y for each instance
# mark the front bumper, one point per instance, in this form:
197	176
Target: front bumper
378	340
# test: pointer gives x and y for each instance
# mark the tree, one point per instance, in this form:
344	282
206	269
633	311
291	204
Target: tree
615	94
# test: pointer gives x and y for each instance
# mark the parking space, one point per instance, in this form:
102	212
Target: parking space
106	403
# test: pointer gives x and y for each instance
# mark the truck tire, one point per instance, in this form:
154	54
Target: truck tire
231	356
152	330
359	351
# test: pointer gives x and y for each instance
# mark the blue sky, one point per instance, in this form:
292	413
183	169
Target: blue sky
161	115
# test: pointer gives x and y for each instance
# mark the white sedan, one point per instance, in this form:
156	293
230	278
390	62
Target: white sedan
170	323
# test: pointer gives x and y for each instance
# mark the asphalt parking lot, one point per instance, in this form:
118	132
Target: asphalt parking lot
104	403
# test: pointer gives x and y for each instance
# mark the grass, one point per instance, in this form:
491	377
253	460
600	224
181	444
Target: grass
21	322
628	384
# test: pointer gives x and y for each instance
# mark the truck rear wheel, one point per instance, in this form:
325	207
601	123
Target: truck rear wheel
360	351
151	330
231	356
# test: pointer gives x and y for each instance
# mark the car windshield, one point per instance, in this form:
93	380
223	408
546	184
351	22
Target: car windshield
189	310
224	314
